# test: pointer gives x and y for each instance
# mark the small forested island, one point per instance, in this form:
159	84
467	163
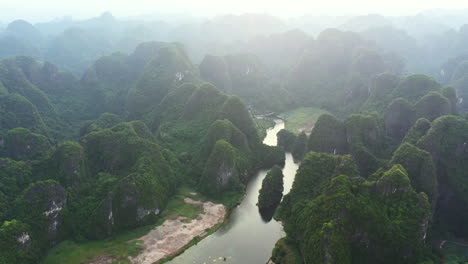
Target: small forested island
272	191
131	140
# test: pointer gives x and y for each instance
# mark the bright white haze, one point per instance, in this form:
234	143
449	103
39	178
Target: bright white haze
42	10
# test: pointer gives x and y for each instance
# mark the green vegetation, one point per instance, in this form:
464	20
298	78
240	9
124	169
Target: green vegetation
272	190
322	217
22	144
224	129
300	146
421	170
262	124
105	121
286	252
84	159
222	170
235	111
119	247
14	251
433	105
399	117
359	135
169	69
328	135
17	111
446	141
178	207
418	130
301	119
413	87
313	174
286	139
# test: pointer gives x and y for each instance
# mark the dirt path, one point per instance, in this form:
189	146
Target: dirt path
170	237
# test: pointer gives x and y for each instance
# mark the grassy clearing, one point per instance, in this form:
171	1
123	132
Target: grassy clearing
300	118
119	247
123	245
177	207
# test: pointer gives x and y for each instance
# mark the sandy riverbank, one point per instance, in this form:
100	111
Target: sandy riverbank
169	238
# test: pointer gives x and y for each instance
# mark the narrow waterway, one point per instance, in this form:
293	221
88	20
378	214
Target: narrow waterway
246	238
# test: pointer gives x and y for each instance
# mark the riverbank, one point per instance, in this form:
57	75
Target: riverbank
233	237
170	238
245	230
122	247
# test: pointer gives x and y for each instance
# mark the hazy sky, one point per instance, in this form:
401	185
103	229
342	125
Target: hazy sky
40	10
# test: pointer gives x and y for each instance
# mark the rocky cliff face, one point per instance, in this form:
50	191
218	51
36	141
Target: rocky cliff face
43	202
222	170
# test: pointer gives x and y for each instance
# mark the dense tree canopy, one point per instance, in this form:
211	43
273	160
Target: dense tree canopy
101	147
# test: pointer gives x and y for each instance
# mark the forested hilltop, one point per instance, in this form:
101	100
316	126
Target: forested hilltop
86	159
96	142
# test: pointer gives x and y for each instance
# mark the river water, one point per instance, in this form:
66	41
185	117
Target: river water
246	238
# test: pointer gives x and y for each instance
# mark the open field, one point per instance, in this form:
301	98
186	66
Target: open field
301	119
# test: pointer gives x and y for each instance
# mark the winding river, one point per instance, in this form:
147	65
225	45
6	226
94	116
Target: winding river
246	238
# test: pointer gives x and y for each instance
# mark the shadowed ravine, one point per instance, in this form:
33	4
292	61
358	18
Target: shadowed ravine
246	238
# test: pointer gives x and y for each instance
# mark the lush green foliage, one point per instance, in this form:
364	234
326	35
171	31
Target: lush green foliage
106	120
300	146
359	135
350	220
313	174
165	72
286	252
415	86
235	111
14	251
433	105
15	176
262	124
22	144
124	244
399	117
224	129
223	170
421	170
286	139
121	175
446	142
17	111
272	189
328	135
418	130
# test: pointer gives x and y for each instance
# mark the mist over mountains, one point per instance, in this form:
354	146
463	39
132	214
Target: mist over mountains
113	127
74	44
